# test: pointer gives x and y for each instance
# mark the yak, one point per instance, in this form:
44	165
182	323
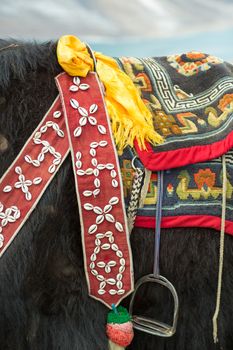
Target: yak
44	302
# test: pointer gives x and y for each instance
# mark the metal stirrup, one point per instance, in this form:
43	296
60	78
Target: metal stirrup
146	324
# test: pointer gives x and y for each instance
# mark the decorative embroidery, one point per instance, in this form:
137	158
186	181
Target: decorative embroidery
151	197
192	197
23	184
97	168
174	112
226	107
165	90
86	116
104	229
108	265
195	119
192	62
8	216
127	174
27	178
46	145
205	181
166	124
103	214
77	85
170	190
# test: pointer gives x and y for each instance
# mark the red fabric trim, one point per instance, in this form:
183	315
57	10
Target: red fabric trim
207	221
101	203
14	204
155	161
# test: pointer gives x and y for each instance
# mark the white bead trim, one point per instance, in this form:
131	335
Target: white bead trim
23	184
8	216
97	168
47	148
107	266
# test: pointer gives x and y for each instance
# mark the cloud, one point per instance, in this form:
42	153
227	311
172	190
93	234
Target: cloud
98	20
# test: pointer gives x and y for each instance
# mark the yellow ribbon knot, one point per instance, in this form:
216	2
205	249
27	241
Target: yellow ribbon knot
129	116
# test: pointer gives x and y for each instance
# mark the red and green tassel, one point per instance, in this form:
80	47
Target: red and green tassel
119	328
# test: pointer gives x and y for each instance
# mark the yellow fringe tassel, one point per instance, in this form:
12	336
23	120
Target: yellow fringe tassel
130	118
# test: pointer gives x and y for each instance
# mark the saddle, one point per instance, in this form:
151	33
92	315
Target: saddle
191	99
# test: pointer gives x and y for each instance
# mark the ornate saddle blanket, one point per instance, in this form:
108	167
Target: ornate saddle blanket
192	194
191	100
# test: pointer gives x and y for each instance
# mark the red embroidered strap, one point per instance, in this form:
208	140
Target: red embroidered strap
84	128
24	183
105	237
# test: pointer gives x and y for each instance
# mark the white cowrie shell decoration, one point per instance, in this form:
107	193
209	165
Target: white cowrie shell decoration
73	88
98	210
111	281
93	108
112	291
101	264
88	206
101	291
121	291
102	129
94	272
93	257
102	284
119	226
92	229
100	278
74	103
105	246
96	192
114	200
76	80
56	114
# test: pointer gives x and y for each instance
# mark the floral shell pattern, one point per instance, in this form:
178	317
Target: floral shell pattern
193	62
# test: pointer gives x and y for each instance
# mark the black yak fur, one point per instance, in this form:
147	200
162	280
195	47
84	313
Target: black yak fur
44	304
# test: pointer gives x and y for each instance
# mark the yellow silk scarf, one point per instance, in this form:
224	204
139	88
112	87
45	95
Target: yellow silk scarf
129	116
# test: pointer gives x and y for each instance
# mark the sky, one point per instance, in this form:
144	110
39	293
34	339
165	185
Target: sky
125	27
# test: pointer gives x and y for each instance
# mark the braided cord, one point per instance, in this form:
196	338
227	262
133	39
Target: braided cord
134	198
221	252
